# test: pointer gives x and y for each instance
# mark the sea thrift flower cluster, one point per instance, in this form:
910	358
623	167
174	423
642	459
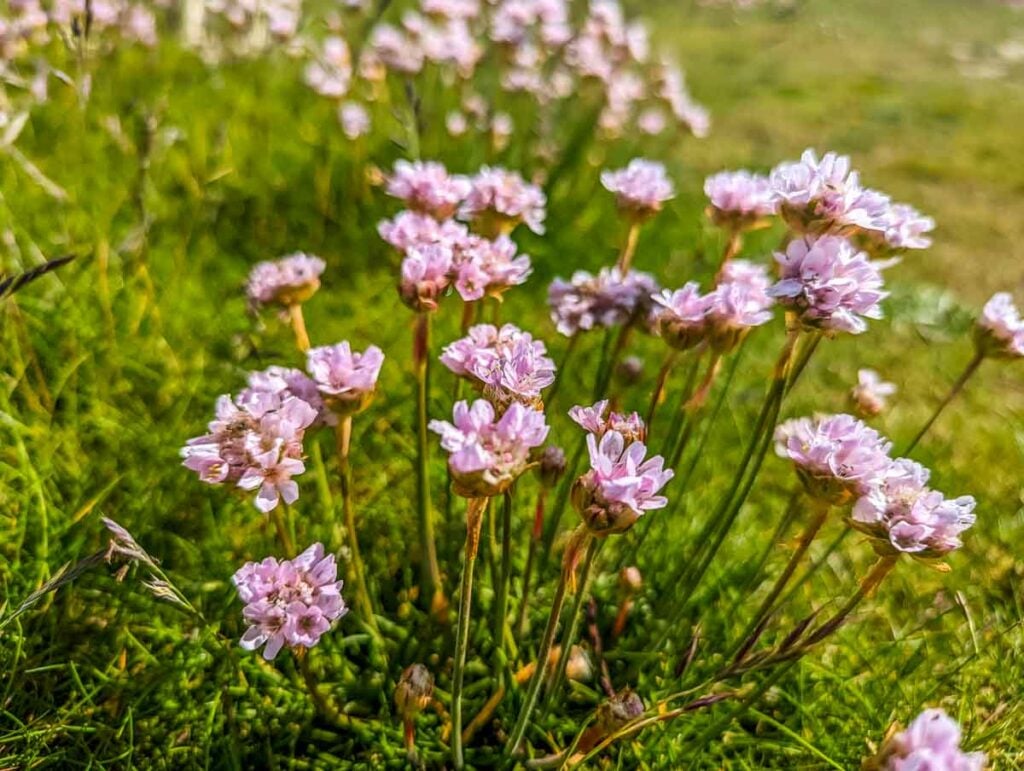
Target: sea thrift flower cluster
330	74
487	454
1000	330
903	515
621	485
487	267
607	299
640	189
426	186
870	395
594	420
930	743
739	200
828	284
346	379
289	602
837	457
498	200
506	363
287	281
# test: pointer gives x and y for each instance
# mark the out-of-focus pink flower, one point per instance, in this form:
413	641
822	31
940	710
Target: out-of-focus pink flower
500	199
673	90
331	72
426	273
287	281
904	515
354	119
608	299
426	186
621	486
395	49
739	200
289	602
837	458
870	395
485	267
486	455
829	284
594	420
1000	329
452	9
346	379
507	364
640	189
282	382
930	743
410	229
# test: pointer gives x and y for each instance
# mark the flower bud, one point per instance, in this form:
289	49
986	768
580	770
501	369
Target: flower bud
414	691
602	517
551	465
578	667
619	710
630	579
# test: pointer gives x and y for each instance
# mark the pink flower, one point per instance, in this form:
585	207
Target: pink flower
1000	330
287	281
426	186
482	266
871	393
640	189
346	380
829	284
905	228
283	382
506	363
931	743
426	274
499	200
680	316
411	229
620	485
593	420
739	200
738	305
608	299
354	119
289	602
836	457
395	49
486	455
904	515
331	72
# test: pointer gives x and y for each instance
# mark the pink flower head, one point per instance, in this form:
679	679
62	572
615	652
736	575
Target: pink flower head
499	200
289	602
1000	329
346	380
739	303
593	420
641	188
829	284
452	9
426	274
485	267
871	393
680	316
620	485
507	364
739	200
837	457
255	442
902	514
410	229
396	49
931	743
283	382
354	119
426	186
906	228
331	73
287	281
608	299
486	455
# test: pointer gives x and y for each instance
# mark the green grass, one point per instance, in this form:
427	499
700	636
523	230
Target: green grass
112	362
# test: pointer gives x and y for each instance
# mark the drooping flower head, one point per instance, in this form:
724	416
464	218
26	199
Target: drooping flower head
837	458
426	186
903	515
640	189
488	267
486	455
739	200
930	743
426	274
499	200
829	285
506	363
255	442
870	395
621	485
608	299
289	602
1000	329
594	420
346	379
287	281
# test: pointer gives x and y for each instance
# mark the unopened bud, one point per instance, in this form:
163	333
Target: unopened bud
578	666
630	579
551	465
619	710
414	691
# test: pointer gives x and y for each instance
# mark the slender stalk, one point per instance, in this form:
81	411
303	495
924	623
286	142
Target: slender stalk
629	247
343	435
322	704
659	386
501	601
958	386
431	571
531	555
475	508
299	327
608	364
551	528
810	532
277	518
573	629
544	653
732	247
807	349
679	421
694	405
560	371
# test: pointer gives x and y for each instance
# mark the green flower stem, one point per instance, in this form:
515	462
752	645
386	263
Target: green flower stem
629	247
535	539
958	386
277	516
501	600
298	323
343	434
431	578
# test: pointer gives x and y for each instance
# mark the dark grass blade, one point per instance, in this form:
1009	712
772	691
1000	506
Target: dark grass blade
12	284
